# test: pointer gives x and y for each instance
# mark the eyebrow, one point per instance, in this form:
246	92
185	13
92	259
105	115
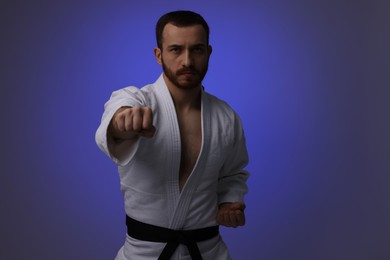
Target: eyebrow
174	46
199	45
192	46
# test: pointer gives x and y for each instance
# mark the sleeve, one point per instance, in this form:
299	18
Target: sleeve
121	153
232	185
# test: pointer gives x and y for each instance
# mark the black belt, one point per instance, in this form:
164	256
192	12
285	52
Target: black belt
173	238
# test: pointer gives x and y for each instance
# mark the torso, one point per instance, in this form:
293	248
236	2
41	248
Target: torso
191	142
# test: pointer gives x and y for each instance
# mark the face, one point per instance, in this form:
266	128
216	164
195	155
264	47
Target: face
184	55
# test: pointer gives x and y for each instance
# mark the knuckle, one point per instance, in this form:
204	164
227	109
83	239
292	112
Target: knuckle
137	109
117	123
122	111
118	116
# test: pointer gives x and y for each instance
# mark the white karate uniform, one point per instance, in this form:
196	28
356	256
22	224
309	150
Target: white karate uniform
149	170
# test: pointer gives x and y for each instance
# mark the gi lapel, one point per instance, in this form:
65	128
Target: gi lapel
172	143
178	203
187	194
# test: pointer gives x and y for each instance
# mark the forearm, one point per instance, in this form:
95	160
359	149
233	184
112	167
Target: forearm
232	188
119	142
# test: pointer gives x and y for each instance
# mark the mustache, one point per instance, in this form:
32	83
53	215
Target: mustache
186	70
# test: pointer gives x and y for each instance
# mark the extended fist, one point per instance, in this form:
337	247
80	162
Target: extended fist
132	122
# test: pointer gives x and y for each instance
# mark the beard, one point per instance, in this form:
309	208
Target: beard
188	83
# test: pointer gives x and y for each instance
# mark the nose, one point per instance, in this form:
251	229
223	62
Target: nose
187	59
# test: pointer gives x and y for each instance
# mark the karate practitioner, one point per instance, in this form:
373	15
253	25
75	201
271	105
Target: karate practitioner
180	152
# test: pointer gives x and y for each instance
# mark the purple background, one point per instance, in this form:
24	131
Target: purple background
310	80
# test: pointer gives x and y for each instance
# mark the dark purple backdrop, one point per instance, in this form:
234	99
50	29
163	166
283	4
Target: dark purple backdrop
310	80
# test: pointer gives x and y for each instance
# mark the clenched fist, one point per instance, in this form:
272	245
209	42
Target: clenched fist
132	122
231	214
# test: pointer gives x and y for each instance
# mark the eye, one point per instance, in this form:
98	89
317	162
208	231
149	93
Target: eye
198	49
175	50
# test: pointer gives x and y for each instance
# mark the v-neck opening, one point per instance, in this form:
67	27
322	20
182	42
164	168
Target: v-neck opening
200	151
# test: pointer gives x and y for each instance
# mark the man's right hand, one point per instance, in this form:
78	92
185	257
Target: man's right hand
132	122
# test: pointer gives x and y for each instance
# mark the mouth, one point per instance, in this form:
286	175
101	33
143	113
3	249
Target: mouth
187	73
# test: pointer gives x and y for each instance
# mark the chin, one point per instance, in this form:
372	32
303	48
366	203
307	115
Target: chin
186	84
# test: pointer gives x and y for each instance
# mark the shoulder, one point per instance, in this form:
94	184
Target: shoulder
223	114
220	106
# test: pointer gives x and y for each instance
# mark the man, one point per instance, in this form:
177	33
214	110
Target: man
180	152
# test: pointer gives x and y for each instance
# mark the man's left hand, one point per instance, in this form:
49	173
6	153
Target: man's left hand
231	214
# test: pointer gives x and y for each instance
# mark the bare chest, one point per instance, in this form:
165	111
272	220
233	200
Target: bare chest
191	143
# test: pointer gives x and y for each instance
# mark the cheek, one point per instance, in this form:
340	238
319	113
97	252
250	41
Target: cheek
202	62
169	61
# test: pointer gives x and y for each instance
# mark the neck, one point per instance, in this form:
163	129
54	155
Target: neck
184	99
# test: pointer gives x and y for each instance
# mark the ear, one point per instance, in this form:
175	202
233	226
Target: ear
210	49
157	54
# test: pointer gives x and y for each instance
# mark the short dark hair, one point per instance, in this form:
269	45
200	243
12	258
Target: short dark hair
180	18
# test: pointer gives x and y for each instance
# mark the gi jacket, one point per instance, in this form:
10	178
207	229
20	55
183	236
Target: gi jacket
149	168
